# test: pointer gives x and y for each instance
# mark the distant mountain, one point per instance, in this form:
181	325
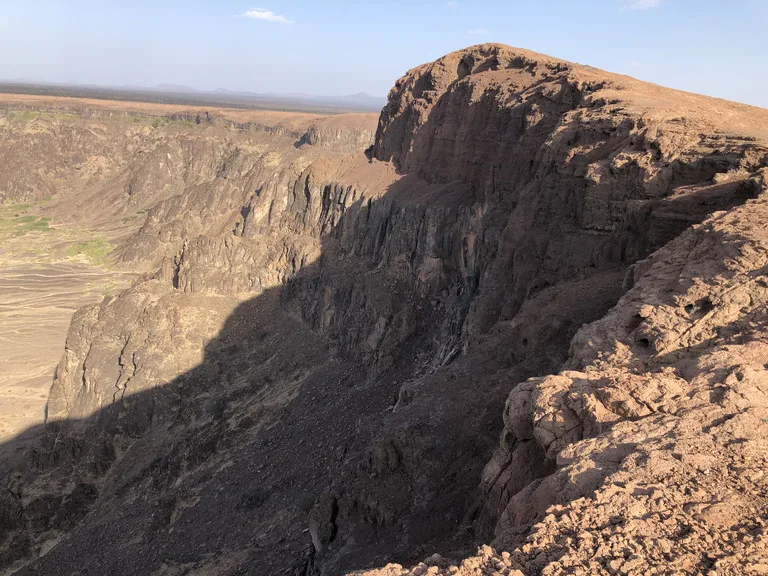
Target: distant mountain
363	99
359	100
175	88
183	93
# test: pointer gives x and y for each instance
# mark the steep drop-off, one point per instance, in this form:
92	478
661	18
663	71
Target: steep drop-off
314	380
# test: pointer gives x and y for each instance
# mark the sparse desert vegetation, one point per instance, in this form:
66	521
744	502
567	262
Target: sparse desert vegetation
14	221
27	235
94	250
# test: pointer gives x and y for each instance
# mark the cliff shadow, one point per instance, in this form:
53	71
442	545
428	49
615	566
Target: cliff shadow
243	458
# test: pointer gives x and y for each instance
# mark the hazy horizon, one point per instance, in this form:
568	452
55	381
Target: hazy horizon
330	49
170	88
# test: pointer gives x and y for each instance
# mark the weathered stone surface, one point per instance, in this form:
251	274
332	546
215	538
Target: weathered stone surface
656	437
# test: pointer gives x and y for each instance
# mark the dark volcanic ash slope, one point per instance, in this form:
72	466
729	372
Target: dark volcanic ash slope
347	413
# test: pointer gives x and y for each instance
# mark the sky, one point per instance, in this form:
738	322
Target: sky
322	47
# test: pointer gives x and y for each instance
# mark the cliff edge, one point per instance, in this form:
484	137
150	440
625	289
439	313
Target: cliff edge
529	316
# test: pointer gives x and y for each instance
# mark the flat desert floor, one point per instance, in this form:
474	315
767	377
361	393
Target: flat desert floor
36	305
48	269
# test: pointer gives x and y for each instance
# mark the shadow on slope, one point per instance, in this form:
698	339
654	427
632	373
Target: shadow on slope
226	459
283	449
245	459
233	462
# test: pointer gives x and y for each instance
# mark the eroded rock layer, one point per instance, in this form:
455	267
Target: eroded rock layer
314	380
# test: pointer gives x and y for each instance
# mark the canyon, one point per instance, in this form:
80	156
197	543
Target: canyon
514	324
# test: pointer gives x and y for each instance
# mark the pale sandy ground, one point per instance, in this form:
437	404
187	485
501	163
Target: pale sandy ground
37	301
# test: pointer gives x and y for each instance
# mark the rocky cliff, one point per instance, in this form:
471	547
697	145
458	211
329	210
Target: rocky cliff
316	378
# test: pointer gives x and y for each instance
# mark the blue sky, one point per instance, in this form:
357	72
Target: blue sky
716	47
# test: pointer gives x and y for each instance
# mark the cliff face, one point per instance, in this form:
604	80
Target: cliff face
113	155
45	153
658	423
656	430
314	379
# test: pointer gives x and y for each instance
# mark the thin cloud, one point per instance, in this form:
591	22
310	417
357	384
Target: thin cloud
452	4
266	15
479	31
627	5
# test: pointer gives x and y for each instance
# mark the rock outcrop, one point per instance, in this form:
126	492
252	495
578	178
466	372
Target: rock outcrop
314	380
658	427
